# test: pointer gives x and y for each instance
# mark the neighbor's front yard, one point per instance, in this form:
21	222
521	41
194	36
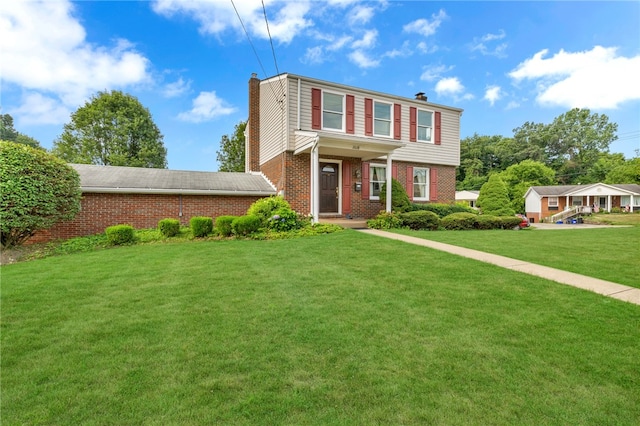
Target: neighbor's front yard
337	329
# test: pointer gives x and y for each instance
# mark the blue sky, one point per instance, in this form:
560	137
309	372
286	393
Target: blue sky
504	63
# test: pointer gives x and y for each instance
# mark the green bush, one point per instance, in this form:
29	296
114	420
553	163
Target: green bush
494	198
421	219
442	209
119	234
246	225
201	226
283	220
385	220
223	225
459	221
169	227
510	222
485	221
399	199
265	208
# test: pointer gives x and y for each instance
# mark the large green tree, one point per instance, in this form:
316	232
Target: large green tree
112	128
519	177
232	150
629	172
9	133
37	190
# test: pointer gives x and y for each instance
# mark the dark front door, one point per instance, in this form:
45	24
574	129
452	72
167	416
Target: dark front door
328	188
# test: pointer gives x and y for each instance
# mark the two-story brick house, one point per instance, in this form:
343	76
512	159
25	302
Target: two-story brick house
328	148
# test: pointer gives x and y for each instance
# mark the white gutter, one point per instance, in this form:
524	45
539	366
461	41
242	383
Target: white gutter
106	190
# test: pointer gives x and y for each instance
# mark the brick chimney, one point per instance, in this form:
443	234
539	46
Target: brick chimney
421	96
252	143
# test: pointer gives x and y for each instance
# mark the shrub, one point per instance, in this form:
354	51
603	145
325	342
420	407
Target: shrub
399	199
283	220
485	221
385	220
223	225
459	221
265	208
442	209
119	234
169	227
201	226
246	225
510	222
494	198
421	219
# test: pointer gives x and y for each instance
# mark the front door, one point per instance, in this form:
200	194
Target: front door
328	188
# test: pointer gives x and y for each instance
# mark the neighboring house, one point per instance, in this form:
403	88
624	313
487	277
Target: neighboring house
543	202
328	148
141	197
469	197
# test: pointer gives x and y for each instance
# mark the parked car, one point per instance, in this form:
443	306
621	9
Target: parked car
524	223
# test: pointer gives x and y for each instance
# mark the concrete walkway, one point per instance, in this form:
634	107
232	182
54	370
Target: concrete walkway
606	288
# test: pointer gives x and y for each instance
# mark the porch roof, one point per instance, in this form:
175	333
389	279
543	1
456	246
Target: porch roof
345	145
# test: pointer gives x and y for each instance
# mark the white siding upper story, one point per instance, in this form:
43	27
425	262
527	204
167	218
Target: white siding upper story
281	115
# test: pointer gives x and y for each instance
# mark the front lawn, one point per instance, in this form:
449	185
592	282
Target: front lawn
611	254
344	328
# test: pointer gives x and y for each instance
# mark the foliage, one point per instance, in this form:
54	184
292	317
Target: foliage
113	128
169	227
399	199
629	172
232	150
284	219
459	221
385	220
420	219
494	198
486	222
8	133
223	225
120	234
266	207
510	222
519	177
246	225
442	209
201	226
37	190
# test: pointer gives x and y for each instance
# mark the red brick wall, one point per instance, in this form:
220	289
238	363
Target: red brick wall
253	154
141	211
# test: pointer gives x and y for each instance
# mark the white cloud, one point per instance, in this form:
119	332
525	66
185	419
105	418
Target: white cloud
363	60
286	19
207	106
452	87
480	45
492	94
424	27
367	41
39	109
434	73
403	52
597	78
314	55
176	88
45	52
360	15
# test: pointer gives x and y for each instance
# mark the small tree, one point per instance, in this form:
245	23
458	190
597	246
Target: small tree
36	191
494	198
400	201
232	150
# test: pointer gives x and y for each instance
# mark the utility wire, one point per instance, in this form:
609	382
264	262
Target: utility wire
273	50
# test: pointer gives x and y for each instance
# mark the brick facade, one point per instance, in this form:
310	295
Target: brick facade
142	211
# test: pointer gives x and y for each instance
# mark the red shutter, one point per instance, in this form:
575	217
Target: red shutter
316	109
410	182
438	129
365	181
413	124
397	121
351	122
368	117
346	188
394	171
433	184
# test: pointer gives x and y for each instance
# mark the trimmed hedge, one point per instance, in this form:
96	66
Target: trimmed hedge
223	225
420	219
246	225
201	226
119	234
459	221
485	221
169	227
510	222
442	209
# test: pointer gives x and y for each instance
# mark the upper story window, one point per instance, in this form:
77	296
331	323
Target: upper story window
382	118
332	111
425	126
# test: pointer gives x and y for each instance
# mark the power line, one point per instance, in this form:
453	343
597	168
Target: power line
273	50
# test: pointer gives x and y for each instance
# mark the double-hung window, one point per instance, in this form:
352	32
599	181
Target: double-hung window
553	202
378	176
332	111
382	118
425	126
420	184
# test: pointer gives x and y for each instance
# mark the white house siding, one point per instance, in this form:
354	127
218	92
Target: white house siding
448	153
533	203
273	118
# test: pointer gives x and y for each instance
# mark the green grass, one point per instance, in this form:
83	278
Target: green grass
614	219
337	329
611	254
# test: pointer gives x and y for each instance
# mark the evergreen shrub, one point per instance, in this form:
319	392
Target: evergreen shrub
201	226
169	227
399	199
459	221
485	221
510	222
420	219
119	234
442	209
223	225
246	225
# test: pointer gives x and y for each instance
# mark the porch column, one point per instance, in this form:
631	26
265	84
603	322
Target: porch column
631	203
315	186
609	203
389	185
567	206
